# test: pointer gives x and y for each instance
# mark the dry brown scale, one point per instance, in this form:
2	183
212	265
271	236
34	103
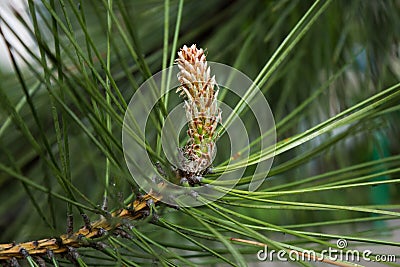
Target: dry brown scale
138	209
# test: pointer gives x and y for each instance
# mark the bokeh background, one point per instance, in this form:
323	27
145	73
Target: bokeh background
58	77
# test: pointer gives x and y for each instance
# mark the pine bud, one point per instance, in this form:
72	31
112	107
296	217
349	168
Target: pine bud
201	106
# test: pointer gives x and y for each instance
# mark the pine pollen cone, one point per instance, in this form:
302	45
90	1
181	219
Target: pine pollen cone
201	106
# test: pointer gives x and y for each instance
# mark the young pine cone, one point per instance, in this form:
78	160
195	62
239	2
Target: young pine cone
201	106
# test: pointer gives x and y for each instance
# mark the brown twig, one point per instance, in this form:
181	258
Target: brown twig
136	210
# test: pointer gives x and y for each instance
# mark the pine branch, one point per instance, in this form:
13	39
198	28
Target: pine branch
84	237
